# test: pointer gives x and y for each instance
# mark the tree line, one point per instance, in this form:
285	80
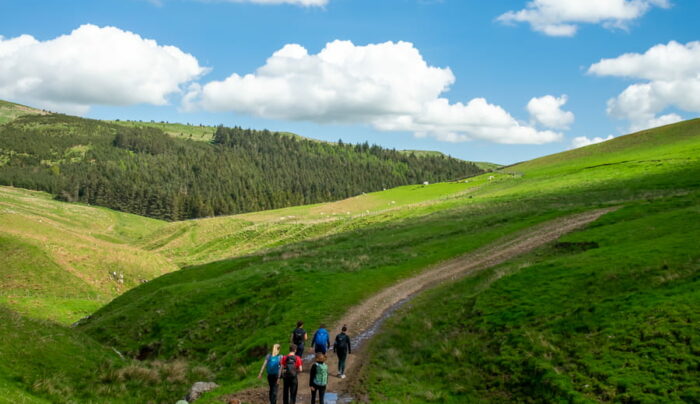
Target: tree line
143	170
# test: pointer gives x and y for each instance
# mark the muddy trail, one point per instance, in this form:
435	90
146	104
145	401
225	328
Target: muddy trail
365	320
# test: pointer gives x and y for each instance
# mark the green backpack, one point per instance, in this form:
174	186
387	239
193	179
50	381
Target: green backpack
321	378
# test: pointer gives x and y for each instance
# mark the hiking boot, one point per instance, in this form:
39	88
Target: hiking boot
342	376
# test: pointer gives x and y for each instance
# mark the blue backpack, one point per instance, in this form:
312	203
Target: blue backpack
273	365
321	337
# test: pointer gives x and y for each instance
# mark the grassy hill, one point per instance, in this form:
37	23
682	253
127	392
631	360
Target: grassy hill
603	315
240	306
10	111
59	260
242	170
529	318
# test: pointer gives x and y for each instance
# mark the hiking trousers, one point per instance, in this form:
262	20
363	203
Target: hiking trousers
342	356
289	395
272	381
321	390
300	350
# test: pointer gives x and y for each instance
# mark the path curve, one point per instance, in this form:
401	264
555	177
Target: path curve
361	318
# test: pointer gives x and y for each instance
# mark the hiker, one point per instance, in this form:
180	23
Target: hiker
274	371
318	378
298	338
291	365
321	340
342	348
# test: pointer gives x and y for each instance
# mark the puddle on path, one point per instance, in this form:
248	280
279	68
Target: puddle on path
333	398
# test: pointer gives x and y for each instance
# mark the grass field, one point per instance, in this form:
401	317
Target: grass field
10	111
313	262
60	260
604	315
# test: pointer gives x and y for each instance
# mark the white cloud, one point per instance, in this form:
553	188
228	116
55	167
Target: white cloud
387	85
582	141
547	112
671	79
562	17
92	65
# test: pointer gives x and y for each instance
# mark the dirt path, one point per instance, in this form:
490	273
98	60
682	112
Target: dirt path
364	319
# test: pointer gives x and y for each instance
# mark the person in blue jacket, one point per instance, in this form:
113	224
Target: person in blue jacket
322	340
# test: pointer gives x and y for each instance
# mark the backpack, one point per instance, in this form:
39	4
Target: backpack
321	378
321	337
273	365
298	336
290	367
341	343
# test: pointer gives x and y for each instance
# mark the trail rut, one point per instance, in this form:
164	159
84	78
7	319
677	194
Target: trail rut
366	317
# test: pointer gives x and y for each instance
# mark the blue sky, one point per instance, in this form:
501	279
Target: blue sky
503	62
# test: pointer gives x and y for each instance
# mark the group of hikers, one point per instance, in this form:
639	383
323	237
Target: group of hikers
287	367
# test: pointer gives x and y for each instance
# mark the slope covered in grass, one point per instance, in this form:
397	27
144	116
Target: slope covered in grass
59	260
46	363
608	314
226	313
10	111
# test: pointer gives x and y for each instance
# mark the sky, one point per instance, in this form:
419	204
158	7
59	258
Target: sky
500	81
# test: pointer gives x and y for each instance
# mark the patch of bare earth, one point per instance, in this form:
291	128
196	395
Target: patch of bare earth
362	317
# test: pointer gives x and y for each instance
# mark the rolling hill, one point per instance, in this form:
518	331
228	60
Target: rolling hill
240	170
239	305
530	317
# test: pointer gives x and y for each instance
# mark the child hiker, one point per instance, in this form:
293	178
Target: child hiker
274	370
318	378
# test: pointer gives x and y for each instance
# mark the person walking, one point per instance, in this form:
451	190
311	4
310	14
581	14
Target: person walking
274	370
299	337
342	348
322	340
318	378
291	366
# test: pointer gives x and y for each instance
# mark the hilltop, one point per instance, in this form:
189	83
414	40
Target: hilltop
10	111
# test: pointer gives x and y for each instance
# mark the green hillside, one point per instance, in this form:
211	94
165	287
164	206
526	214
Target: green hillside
240	306
604	315
215	319
240	170
10	111
59	260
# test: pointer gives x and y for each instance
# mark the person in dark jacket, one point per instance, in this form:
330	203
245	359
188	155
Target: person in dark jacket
318	378
299	337
342	348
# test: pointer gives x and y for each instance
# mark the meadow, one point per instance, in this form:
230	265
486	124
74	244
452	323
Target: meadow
248	278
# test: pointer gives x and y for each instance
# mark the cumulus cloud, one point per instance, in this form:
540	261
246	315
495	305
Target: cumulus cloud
562	17
547	112
92	65
582	141
389	86
670	77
